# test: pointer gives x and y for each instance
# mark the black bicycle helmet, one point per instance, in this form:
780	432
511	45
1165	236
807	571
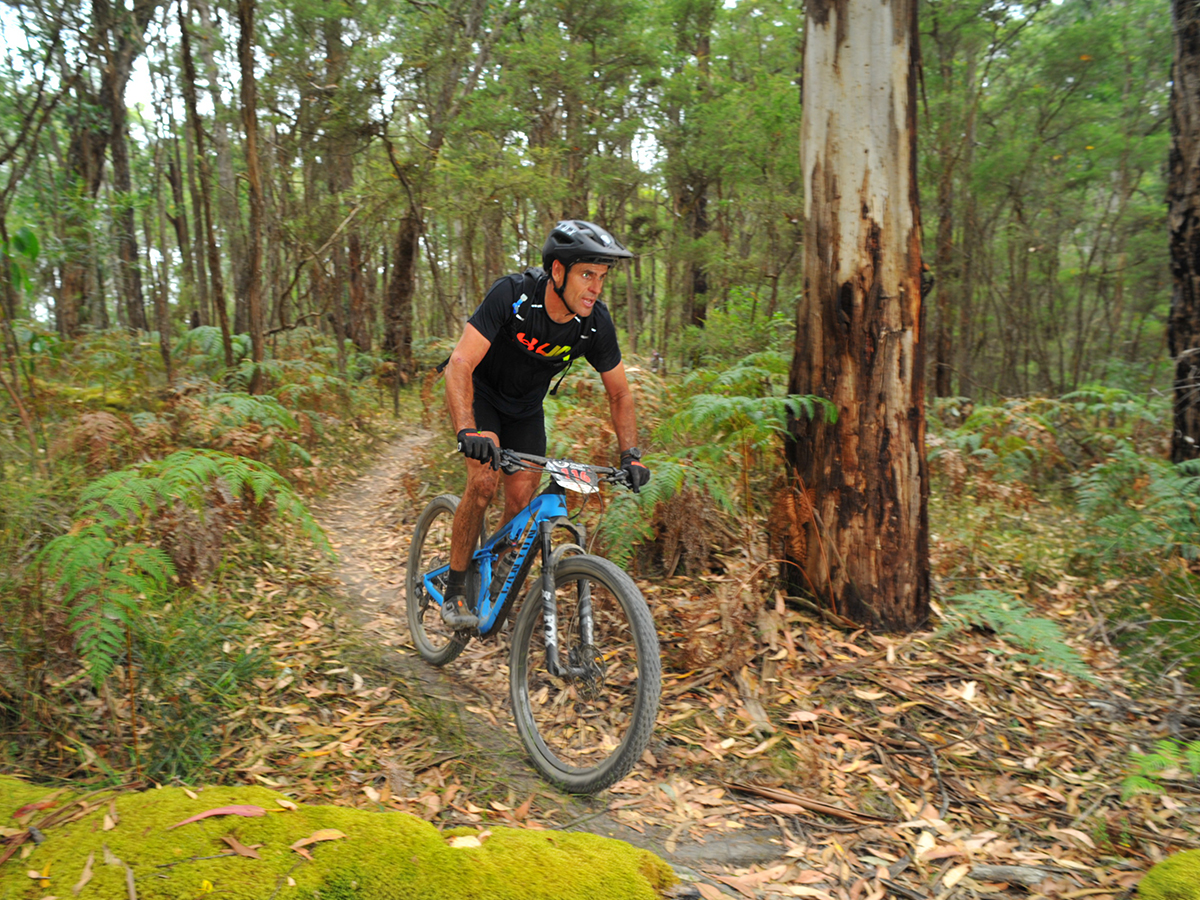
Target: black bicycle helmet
575	241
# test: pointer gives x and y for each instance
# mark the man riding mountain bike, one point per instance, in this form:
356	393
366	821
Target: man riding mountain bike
519	338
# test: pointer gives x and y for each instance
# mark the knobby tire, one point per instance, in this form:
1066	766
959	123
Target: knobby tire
585	734
437	643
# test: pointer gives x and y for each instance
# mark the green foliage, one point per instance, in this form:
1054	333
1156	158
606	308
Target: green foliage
757	422
1043	442
204	350
1014	622
1147	769
191	657
19	253
630	518
109	563
737	330
1143	510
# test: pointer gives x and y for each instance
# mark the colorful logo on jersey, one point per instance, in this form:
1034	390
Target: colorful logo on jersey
544	349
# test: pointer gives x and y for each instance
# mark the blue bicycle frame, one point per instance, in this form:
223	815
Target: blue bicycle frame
527	532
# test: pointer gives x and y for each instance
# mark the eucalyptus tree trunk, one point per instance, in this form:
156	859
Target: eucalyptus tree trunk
861	482
1183	225
397	306
85	162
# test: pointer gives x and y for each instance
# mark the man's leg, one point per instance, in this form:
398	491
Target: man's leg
482	479
518	491
468	519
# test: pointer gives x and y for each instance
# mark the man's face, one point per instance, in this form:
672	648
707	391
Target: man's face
583	286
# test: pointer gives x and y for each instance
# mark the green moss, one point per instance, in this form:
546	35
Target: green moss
385	856
1175	878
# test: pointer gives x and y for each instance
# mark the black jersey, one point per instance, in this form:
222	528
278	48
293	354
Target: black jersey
529	348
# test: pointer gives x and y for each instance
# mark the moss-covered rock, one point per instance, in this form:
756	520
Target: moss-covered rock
1175	878
384	856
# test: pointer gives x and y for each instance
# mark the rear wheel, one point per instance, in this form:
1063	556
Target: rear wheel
434	639
586	730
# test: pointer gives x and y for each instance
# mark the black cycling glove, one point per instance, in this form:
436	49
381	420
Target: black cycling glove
631	465
474	445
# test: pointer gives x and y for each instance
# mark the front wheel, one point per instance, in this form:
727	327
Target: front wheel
585	730
434	639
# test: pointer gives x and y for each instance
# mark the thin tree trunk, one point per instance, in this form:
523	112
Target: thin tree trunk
162	315
1183	226
201	315
254	307
397	341
227	205
360	332
214	258
120	35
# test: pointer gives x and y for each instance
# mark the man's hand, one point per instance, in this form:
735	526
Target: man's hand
631	465
474	445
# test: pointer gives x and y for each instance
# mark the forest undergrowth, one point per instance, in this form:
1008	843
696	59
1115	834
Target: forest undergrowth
1037	735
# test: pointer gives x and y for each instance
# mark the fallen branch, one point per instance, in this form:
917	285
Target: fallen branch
827	809
1026	876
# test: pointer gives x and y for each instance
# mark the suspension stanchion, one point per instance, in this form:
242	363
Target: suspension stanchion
549	604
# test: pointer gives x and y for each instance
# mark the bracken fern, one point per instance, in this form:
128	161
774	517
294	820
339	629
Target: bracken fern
1014	622
110	561
1149	768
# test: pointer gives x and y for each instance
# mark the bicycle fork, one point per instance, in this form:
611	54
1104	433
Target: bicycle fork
573	668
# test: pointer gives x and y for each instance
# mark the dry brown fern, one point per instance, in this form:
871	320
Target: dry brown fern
427	398
102	439
790	512
688	528
194	539
245	441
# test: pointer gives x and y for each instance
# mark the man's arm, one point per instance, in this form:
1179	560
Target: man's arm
460	392
620	406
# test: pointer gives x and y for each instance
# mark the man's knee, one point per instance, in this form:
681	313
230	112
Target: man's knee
481	484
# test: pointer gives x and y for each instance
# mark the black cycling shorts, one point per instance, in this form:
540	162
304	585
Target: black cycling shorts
525	435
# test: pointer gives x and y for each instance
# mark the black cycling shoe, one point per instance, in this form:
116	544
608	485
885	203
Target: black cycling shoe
458	615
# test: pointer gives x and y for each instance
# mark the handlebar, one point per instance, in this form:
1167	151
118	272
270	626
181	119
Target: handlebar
513	461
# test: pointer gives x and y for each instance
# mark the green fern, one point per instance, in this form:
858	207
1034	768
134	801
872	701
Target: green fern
757	421
629	518
107	564
1015	623
1149	767
204	347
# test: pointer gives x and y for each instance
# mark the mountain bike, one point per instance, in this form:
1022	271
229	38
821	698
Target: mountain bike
584	670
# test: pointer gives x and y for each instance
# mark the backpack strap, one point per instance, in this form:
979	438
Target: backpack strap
529	279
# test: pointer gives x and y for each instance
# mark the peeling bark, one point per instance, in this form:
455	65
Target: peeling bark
860	320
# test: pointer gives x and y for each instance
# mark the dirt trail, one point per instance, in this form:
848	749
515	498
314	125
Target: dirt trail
370	523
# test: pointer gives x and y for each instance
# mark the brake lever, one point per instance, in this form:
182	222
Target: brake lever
509	464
